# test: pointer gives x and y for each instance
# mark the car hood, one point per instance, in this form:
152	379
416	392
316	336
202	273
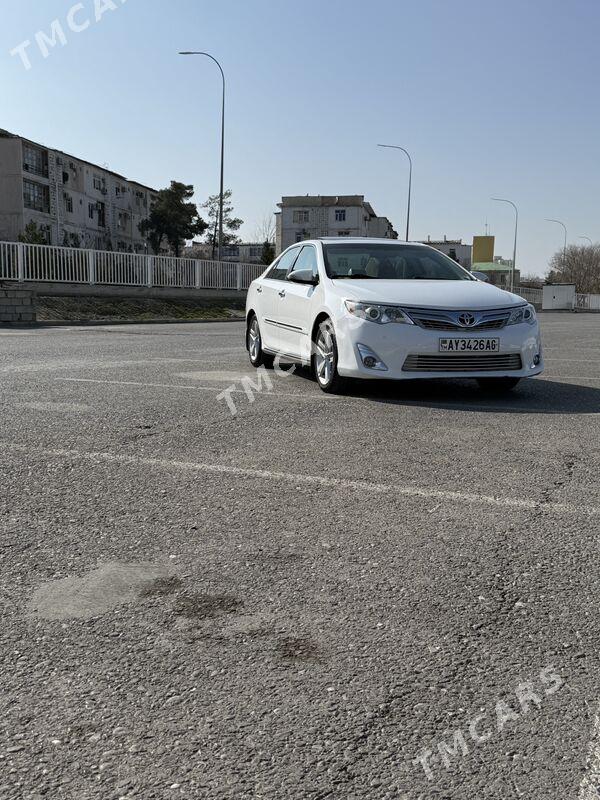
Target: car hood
458	295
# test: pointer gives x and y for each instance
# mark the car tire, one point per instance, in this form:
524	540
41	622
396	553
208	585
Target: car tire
257	355
497	384
325	359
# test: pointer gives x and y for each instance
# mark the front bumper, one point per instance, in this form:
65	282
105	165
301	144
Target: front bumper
394	343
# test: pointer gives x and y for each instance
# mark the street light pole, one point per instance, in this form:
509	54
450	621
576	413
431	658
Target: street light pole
588	239
514	262
396	147
558	222
222	190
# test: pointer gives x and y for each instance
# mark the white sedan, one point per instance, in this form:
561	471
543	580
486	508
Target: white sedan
377	308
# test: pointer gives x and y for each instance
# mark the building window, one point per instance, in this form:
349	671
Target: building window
101	215
123	220
343	233
36	196
91	208
99	184
68	203
340	215
301	216
35	160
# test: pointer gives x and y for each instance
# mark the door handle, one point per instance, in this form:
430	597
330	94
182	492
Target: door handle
281	293
259	289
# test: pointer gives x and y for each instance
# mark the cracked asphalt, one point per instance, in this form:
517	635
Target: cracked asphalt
392	594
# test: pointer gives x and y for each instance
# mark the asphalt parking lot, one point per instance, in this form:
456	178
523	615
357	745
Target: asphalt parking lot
392	594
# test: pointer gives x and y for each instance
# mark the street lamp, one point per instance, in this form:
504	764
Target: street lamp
588	239
396	147
221	192
558	222
514	261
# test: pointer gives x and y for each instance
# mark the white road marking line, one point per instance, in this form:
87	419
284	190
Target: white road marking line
589	788
559	378
405	402
222	376
197	388
18	333
52	366
468	498
49	406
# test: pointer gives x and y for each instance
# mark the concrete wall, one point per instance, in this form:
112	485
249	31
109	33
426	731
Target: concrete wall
17	306
159	293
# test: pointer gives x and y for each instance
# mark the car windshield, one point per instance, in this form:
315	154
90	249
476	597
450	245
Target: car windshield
401	262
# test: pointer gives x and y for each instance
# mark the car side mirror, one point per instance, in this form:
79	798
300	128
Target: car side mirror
303	276
481	276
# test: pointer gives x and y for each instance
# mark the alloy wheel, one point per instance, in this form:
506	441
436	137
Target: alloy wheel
254	343
325	356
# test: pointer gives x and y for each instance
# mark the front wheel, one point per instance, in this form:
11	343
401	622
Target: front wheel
497	384
325	359
254	345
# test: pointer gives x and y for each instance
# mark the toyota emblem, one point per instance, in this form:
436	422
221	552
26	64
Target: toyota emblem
466	319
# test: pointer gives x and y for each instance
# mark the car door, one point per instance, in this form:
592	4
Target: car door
294	308
272	289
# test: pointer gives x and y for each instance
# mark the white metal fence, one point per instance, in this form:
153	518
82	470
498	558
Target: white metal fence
46	263
582	302
587	302
533	296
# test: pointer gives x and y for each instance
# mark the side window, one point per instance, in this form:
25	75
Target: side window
308	260
280	268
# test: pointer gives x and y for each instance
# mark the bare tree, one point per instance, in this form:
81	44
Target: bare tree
531	281
265	229
578	265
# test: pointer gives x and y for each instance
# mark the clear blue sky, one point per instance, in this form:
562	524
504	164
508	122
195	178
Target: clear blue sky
491	98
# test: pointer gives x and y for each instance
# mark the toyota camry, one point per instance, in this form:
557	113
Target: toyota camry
377	308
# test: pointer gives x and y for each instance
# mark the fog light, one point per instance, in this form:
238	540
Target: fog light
370	359
536	360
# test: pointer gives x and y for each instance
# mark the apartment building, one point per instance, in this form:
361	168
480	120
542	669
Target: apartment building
455	248
244	252
311	217
73	202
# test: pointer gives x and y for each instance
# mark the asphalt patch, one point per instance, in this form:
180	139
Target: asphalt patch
95	593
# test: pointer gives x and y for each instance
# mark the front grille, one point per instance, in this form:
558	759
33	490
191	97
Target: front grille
448	320
442	325
471	362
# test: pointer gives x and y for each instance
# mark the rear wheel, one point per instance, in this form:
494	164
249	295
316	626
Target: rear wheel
254	344
325	359
497	384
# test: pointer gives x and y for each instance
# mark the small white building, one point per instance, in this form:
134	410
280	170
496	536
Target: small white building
315	216
454	248
73	202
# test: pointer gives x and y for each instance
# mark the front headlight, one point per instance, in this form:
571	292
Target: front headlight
376	312
522	314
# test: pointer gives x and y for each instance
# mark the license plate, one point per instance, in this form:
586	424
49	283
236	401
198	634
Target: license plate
469	345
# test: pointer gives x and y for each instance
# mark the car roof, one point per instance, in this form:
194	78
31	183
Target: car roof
364	240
